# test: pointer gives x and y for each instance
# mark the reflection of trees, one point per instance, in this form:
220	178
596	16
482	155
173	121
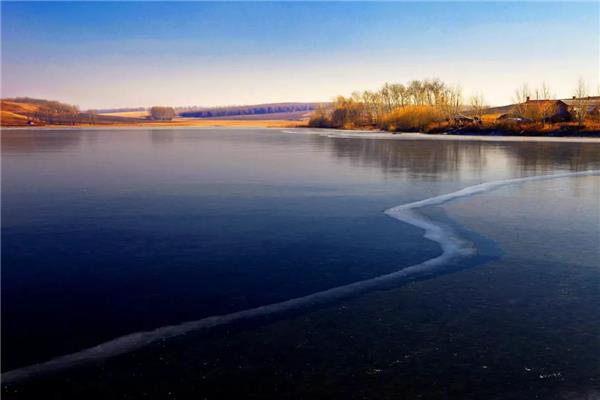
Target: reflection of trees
160	136
423	159
545	156
19	141
443	159
426	159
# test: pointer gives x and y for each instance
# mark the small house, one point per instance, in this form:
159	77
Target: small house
546	110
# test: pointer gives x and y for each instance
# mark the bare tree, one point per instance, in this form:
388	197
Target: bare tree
451	101
580	105
543	92
398	94
477	103
386	97
436	90
546	108
415	90
521	94
520	97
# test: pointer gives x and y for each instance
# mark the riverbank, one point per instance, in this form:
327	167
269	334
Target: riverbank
379	134
592	129
563	130
560	130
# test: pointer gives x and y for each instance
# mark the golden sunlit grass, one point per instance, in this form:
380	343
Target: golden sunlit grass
412	118
590	125
18	107
10	118
490	118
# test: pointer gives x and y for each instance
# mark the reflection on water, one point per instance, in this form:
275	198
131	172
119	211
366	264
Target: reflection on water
429	159
21	141
443	159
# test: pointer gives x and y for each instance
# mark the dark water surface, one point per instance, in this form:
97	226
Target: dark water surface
108	232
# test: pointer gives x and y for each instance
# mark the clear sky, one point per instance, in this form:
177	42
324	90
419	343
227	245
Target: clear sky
100	55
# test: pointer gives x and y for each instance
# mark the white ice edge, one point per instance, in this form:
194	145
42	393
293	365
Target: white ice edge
453	247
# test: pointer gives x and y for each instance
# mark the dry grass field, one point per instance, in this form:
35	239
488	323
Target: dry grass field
204	122
13	113
490	118
128	114
18	107
10	118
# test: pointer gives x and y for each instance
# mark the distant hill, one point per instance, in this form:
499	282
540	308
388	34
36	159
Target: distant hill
282	116
22	111
289	110
292	111
500	109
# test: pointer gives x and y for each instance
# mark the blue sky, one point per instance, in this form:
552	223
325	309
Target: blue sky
196	53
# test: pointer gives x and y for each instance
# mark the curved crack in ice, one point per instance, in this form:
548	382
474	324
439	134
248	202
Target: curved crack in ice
453	247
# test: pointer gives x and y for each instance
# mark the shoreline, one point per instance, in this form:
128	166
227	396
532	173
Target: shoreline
379	134
191	123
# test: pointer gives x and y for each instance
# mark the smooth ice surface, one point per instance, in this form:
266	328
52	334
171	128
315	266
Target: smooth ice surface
272	194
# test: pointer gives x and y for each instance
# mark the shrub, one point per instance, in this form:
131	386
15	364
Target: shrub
162	113
412	118
320	118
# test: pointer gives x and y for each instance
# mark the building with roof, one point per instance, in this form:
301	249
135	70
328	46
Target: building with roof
547	110
590	103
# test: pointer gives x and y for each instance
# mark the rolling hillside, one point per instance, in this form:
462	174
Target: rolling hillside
23	111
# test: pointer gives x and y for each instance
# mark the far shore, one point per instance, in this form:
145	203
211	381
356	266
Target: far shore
196	122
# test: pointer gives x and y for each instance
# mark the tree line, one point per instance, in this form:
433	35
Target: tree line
248	110
54	112
395	106
430	104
